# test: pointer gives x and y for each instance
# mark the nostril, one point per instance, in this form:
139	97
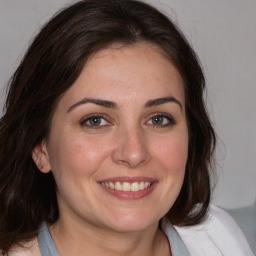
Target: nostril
132	163
131	149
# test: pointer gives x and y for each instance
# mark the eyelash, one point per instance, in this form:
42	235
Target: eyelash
170	121
91	117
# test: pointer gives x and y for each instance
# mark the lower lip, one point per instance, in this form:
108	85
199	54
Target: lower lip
129	195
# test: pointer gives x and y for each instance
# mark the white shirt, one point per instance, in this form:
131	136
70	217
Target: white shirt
217	235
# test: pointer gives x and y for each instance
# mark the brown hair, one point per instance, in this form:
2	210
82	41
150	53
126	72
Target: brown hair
51	65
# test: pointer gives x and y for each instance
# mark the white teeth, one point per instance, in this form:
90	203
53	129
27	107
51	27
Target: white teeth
142	185
135	186
111	185
127	186
147	184
118	186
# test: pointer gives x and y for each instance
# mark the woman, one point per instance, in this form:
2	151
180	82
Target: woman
105	144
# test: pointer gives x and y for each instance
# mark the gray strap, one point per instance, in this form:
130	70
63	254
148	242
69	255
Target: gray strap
45	242
177	245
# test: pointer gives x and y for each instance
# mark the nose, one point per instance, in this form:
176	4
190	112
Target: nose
131	149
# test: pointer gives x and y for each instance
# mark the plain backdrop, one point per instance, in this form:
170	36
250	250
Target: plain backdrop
223	34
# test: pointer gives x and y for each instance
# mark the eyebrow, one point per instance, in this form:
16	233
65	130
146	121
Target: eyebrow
113	105
103	103
160	101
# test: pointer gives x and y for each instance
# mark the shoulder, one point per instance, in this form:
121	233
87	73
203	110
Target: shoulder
27	249
218	234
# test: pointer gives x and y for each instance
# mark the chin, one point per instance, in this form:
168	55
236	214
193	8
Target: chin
132	222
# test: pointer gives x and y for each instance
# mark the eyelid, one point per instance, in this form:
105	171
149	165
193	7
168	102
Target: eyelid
169	117
86	118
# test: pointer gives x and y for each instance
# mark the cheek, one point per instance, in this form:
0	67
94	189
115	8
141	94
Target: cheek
75	162
172	153
171	156
77	155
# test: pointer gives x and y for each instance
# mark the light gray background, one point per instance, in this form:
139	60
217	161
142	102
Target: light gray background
223	34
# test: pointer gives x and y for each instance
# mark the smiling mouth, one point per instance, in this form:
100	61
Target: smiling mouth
126	186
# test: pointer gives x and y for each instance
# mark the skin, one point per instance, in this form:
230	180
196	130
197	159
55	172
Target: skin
132	139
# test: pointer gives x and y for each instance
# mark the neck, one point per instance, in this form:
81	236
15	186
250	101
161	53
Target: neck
78	238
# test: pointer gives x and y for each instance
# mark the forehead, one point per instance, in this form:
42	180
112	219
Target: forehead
134	71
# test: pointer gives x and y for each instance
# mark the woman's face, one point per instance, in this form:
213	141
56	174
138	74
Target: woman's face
118	140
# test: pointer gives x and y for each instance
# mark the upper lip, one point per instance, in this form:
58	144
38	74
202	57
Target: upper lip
129	179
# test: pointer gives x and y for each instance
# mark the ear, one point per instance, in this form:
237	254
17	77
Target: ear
41	158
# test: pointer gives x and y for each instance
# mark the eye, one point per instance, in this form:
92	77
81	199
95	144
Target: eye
94	121
161	120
